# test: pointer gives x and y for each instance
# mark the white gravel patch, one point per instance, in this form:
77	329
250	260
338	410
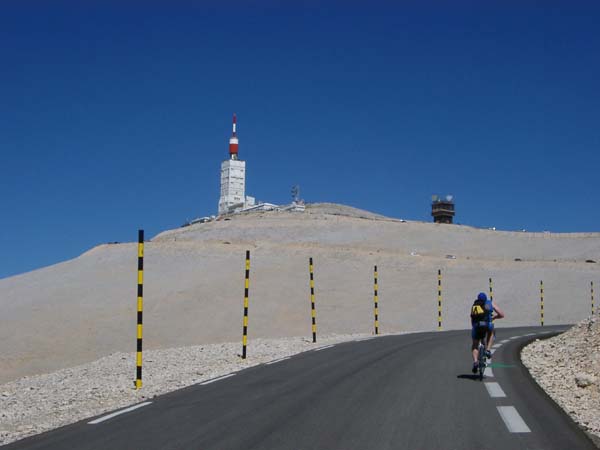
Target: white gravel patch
34	404
567	367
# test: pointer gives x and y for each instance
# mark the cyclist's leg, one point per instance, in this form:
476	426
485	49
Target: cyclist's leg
490	337
475	344
475	350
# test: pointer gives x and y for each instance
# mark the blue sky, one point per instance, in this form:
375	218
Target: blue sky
116	116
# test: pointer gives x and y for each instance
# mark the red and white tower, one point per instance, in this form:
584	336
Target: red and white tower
233	141
233	178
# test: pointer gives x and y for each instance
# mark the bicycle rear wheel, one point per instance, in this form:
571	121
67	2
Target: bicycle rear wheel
481	361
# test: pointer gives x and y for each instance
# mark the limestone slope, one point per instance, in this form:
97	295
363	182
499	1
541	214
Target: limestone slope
83	309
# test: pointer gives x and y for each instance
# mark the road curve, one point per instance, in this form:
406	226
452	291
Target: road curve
411	391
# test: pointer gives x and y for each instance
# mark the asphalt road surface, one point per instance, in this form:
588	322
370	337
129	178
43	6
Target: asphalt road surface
413	391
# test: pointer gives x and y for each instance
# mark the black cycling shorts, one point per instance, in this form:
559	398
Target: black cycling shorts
479	332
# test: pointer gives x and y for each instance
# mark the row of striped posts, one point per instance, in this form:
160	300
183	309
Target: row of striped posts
491	288
313	311
140	304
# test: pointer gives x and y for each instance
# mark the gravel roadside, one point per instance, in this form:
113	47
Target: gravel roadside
567	367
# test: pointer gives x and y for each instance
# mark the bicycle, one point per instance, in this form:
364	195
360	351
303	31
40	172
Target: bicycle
481	360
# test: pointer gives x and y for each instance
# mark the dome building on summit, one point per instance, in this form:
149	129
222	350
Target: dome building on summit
442	209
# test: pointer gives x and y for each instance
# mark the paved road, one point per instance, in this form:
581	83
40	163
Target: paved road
394	392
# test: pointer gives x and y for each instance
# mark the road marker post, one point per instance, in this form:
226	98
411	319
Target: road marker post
140	308
313	311
376	299
246	289
491	290
542	303
439	300
592	288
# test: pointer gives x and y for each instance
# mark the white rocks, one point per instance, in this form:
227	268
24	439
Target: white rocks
564	366
584	380
34	404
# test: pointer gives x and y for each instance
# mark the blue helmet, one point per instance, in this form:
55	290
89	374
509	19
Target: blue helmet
482	296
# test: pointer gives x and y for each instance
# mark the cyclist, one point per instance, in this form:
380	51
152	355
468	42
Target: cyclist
483	314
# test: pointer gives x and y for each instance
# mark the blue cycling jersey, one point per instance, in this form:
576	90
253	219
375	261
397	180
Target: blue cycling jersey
489	307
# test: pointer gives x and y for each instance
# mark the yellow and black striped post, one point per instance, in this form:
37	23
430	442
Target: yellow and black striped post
592	287
313	311
376	303
246	288
542	303
140	308
439	299
491	290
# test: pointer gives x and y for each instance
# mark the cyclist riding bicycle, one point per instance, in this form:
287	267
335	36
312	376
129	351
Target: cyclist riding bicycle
483	314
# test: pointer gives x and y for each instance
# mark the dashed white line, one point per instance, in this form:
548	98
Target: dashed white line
277	360
216	379
514	337
489	372
494	390
529	334
504	341
323	348
513	421
496	345
118	413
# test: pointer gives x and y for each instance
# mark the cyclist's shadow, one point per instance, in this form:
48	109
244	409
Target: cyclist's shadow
468	376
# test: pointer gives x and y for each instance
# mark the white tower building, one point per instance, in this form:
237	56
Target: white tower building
233	179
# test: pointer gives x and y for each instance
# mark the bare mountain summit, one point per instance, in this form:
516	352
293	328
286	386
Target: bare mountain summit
85	308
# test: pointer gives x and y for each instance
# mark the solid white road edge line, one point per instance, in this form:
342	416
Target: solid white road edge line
117	413
216	379
323	348
513	421
278	360
494	390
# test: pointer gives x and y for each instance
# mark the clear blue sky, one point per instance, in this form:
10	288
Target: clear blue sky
117	116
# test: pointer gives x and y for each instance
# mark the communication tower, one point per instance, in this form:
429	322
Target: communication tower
233	177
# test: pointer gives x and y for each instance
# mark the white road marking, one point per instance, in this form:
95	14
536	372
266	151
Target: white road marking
529	334
488	372
514	337
492	351
494	390
513	420
504	341
496	345
277	360
216	379
364	339
117	413
323	348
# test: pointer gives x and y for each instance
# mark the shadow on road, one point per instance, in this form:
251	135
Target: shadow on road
468	377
